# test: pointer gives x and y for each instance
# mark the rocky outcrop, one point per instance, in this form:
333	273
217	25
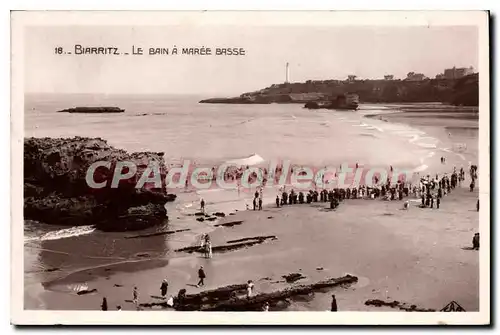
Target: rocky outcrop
233	297
396	304
92	110
57	191
463	91
254	303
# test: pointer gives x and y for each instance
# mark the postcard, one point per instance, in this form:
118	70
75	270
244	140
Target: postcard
260	167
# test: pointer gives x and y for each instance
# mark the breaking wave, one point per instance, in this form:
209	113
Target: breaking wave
63	233
253	159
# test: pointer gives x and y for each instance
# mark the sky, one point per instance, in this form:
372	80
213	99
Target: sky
314	53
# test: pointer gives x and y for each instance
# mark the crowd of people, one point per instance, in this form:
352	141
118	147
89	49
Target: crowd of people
429	189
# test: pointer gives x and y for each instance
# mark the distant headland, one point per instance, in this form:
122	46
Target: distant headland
462	91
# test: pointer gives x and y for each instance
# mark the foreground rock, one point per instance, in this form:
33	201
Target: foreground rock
256	302
397	304
57	192
92	110
233	297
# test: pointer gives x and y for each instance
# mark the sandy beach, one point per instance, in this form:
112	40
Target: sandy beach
420	256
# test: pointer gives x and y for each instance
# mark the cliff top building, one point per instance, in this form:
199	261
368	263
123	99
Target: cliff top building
412	76
389	77
457	72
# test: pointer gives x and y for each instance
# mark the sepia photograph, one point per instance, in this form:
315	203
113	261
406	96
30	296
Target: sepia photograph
295	163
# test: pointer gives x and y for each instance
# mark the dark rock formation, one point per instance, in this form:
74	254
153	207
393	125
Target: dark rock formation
82	292
256	302
293	277
226	298
158	233
397	304
256	238
92	110
57	191
229	224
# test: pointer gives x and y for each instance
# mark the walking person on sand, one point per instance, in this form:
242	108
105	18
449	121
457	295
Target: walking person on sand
164	288
104	304
260	203
202	276
135	295
202	205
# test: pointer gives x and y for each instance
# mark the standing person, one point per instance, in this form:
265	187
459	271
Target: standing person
438	202
477	205
135	295
277	201
475	241
266	307
250	286
254	203
203	241
104	304
202	276
260	203
164	288
334	304
202	204
119	308
432	202
208	249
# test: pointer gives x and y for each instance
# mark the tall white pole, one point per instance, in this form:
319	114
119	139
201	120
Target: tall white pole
287	73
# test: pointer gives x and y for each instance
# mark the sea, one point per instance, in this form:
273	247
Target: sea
206	134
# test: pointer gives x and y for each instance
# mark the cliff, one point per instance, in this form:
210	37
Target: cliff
56	190
92	110
463	91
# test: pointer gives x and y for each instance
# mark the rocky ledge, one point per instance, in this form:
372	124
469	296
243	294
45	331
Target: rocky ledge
56	190
92	110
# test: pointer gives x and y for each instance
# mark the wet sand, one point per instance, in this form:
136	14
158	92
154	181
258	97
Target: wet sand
418	256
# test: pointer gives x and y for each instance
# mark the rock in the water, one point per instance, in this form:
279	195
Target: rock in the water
93	110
